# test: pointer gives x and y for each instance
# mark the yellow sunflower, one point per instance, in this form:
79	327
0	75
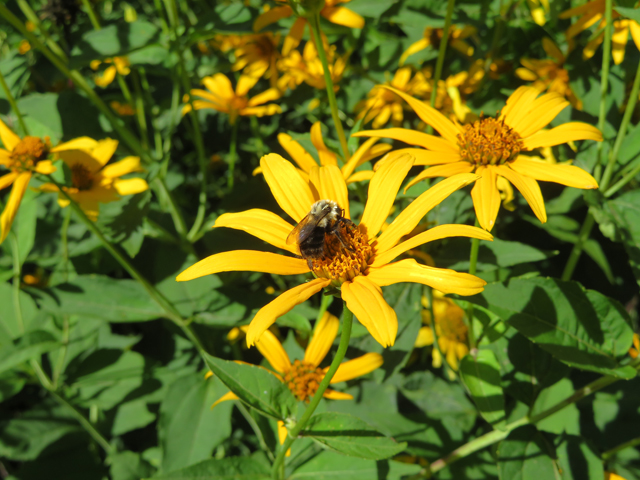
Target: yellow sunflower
332	11
92	180
367	151
116	65
549	74
258	57
433	37
592	12
304	376
361	265
493	147
381	104
221	97
450	328
23	157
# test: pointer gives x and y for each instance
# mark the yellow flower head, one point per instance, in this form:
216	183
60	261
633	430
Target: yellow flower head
367	151
332	11
258	56
220	96
450	328
361	262
549	74
92	180
122	109
494	147
433	37
117	65
24	47
592	12
308	68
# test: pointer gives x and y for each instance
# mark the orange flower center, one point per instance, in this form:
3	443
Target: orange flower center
303	379
81	177
489	141
28	152
347	255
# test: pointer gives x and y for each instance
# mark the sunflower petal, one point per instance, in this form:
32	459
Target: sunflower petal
430	142
435	233
364	298
264	97
447	170
45	167
262	224
414	48
220	86
518	104
334	395
357	367
281	305
130	186
124	166
568	175
13	204
541	111
342	16
323	337
244	261
529	189
9	139
567	132
327	157
271	16
224	398
81	143
361	176
383	189
271	349
8	179
486	198
443	279
430	116
303	158
289	189
330	184
358	158
410	216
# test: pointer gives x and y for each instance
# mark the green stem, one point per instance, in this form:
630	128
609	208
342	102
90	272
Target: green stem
347	319
64	234
498	435
233	156
255	128
256	429
140	113
576	251
33	18
623	446
59	366
314	23
170	311
17	273
92	14
473	261
163	192
622	182
13	104
622	131
441	54
604	82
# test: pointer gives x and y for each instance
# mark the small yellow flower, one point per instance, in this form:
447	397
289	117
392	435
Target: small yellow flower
433	37
23	157
359	269
92	180
221	97
549	74
367	151
382	104
24	47
634	351
538	10
592	12
258	56
122	109
331	11
450	327
493	147
116	65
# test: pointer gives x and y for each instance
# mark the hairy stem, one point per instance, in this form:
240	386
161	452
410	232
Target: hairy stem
347	319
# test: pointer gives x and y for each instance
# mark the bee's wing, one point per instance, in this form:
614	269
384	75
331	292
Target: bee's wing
301	231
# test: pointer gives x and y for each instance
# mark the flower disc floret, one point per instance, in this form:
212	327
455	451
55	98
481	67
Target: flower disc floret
28	152
303	379
489	141
81	177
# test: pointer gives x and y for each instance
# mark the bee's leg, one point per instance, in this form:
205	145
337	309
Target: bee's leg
336	231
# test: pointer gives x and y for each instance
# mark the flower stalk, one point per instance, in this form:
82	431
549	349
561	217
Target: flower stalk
314	24
347	319
441	54
13	104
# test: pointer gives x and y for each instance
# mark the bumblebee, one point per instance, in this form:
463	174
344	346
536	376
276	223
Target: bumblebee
325	218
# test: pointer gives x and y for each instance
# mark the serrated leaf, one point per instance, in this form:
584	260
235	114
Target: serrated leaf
351	436
527	455
480	373
232	468
255	386
625	213
29	346
582	328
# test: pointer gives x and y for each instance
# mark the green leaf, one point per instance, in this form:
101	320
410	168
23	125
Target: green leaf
526	454
577	460
232	468
29	346
625	214
255	386
189	429
114	40
97	296
480	373
122	221
582	328
630	13
566	420
128	466
10	327
333	466
351	436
